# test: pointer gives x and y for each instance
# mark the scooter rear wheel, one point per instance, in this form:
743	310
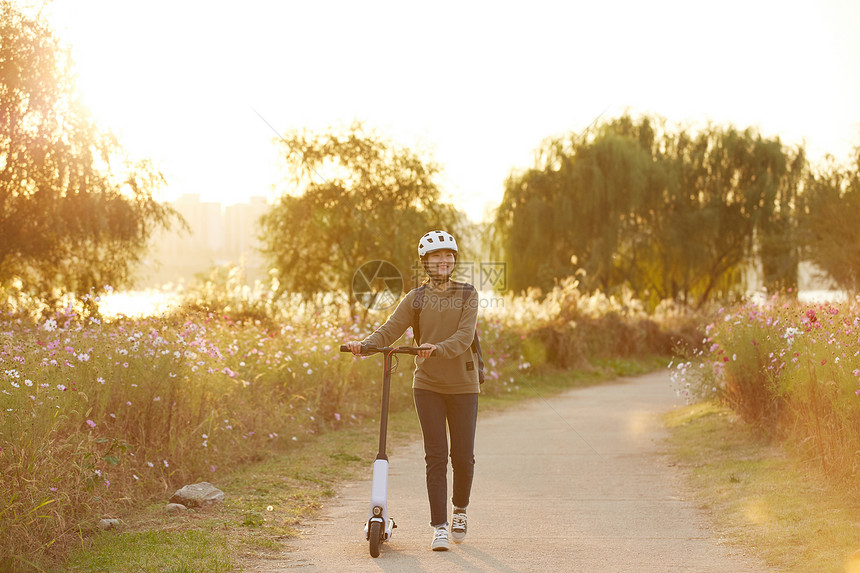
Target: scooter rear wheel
375	538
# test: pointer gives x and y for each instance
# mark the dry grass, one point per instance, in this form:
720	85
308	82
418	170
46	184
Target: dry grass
761	497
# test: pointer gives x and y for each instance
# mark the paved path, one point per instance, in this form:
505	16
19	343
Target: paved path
575	483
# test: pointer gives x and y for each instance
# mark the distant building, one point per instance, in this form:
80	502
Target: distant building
218	236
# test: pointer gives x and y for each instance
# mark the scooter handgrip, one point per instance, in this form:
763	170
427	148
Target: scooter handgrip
364	350
414	350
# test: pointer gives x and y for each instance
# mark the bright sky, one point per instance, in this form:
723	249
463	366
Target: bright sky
478	84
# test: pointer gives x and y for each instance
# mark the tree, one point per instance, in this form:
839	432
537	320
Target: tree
729	201
355	198
576	208
667	214
829	221
75	212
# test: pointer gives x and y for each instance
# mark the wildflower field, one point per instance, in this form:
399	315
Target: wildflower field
100	416
789	369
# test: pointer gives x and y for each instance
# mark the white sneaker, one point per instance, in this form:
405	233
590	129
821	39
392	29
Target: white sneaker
458	525
440	539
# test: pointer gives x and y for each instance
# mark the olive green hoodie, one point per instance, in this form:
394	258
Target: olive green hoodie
449	322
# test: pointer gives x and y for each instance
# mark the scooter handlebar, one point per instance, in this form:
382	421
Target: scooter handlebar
365	351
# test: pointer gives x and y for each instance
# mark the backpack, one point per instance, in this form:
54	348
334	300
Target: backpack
418	303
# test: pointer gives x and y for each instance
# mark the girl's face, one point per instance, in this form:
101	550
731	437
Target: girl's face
440	263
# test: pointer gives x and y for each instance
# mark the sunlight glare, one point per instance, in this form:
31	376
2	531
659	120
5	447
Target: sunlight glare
137	304
853	563
757	512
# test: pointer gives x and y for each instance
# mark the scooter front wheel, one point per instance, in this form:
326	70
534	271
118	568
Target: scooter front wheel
375	538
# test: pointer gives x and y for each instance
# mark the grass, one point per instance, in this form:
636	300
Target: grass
158	550
764	498
267	501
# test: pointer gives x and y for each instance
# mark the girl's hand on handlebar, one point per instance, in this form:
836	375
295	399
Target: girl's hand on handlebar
354	346
426	349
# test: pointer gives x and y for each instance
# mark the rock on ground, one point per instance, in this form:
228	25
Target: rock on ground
201	494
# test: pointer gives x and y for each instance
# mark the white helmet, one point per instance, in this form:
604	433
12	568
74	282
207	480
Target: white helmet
436	241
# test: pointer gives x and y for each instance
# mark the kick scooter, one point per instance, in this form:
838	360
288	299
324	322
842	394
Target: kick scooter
379	526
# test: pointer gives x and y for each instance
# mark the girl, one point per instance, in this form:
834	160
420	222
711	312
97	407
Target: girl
446	386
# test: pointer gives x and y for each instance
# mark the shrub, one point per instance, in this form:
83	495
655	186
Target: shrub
789	369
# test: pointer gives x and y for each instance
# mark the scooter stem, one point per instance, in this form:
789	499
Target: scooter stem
383	420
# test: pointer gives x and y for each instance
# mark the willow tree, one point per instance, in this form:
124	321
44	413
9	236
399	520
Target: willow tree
665	213
579	207
728	205
75	213
829	221
352	198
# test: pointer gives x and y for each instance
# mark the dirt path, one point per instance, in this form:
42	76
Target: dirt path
575	483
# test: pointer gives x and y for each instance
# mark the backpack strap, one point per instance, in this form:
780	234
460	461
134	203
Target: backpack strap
417	305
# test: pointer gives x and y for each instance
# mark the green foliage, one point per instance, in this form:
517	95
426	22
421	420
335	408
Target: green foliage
670	215
194	551
76	213
355	198
731	202
829	222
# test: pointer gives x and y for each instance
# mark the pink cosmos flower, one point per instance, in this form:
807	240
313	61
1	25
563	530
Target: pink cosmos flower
91	424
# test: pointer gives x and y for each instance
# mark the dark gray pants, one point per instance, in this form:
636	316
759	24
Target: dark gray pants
459	412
